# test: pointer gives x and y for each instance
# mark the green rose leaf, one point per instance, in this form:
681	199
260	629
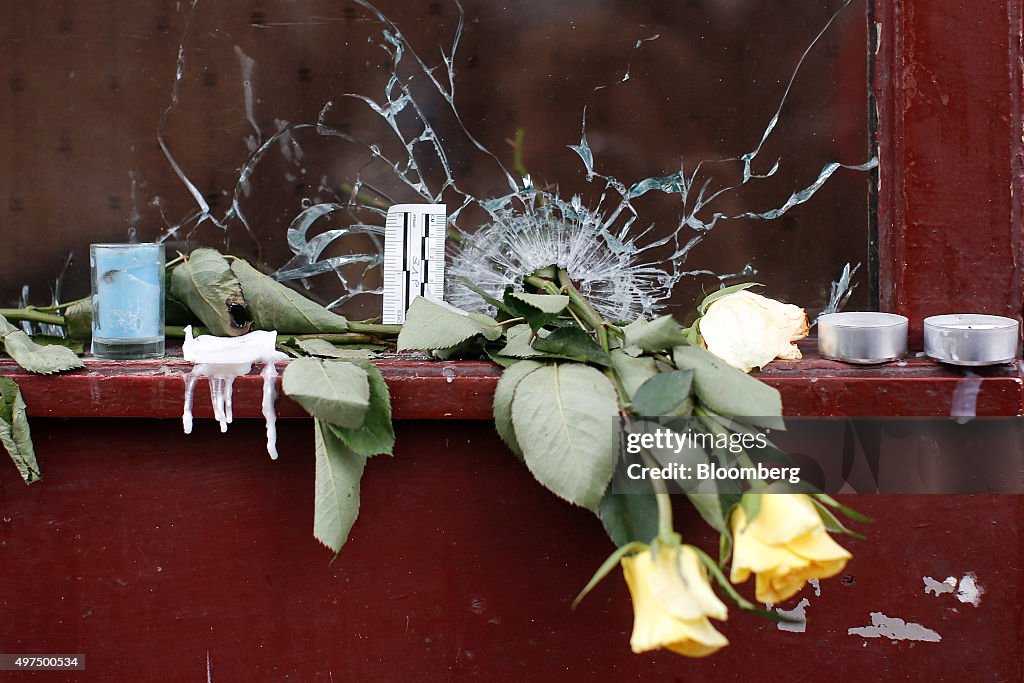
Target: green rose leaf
713	509
725	291
831	522
727	391
325	349
472	348
498	305
537	309
177	313
517	342
503	361
78	319
338	474
491	329
43	359
632	372
14	431
546	303
204	282
849	512
503	395
432	325
562	416
572	343
612	562
5	327
338	393
751	504
665	394
76	347
377	435
274	306
629	517
660	334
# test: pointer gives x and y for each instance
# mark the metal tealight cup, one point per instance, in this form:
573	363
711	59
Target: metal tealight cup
862	337
971	339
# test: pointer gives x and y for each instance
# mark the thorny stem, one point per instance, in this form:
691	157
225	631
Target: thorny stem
363	199
370	328
620	388
359	332
581	308
716	428
58	307
337	338
577	304
586	311
177	332
32	315
666	530
543	284
517	152
174	261
577	319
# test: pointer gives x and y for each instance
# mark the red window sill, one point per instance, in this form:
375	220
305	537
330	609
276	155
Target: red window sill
464	390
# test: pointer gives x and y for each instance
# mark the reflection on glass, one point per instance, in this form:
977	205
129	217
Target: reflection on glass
222	123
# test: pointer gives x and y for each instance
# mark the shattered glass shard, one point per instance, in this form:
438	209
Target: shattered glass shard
626	261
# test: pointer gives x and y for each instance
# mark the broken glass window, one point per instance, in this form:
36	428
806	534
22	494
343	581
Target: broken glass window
673	147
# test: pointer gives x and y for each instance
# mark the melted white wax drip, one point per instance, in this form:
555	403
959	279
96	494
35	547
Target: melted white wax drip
221	360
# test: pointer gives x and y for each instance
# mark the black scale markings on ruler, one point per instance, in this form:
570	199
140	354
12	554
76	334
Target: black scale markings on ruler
414	245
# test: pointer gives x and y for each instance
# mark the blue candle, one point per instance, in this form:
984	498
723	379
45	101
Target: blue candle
127	300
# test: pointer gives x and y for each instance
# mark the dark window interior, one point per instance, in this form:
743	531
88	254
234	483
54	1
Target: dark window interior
88	85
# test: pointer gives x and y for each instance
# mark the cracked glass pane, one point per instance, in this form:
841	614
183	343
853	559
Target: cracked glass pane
675	146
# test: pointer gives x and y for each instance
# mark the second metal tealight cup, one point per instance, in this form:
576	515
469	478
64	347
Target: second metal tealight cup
864	338
971	339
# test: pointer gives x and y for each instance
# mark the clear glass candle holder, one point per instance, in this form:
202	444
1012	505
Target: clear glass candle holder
127	300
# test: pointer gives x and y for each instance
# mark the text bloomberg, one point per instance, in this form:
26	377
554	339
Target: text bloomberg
713	472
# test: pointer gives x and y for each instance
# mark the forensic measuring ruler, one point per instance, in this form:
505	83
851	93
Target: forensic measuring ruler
414	239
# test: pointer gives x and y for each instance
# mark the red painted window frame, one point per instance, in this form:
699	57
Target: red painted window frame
947	84
946	80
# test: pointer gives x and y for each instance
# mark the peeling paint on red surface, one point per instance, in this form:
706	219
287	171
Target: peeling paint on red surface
146	549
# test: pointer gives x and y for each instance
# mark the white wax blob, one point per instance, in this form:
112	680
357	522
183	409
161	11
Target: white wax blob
221	360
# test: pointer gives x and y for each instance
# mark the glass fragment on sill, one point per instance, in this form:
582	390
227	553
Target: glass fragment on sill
47	329
841	290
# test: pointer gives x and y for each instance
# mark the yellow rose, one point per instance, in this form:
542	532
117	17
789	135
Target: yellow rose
785	545
672	601
748	330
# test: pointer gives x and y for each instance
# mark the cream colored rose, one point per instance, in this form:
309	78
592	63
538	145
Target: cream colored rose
785	545
748	330
672	600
